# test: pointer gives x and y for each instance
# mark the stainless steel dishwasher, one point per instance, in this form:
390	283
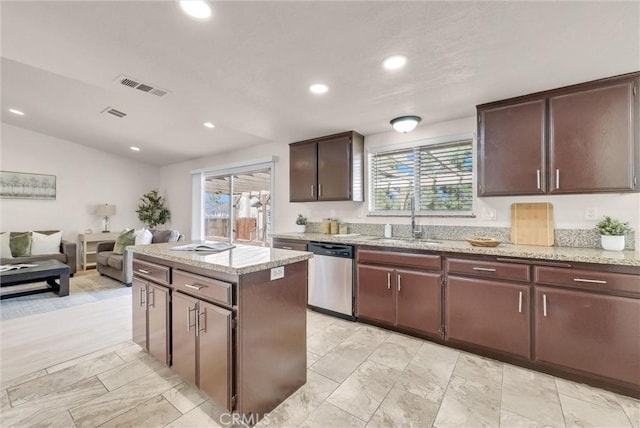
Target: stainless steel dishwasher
331	284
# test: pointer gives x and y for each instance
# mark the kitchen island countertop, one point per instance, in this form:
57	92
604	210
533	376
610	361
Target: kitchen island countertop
237	261
566	254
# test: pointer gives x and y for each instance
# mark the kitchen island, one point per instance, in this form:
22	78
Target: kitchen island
233	323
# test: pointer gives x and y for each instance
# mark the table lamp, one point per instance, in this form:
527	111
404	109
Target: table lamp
105	211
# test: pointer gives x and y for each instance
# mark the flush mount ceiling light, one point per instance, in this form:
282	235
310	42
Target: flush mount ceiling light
209	125
196	8
18	112
318	88
394	62
405	123
135	149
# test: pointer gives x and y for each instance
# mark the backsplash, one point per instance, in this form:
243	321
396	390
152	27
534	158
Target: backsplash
581	238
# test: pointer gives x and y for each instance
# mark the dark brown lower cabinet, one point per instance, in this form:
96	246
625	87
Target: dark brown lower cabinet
418	300
151	318
488	313
400	297
594	333
202	346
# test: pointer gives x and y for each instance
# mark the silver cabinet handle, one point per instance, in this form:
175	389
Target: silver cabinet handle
590	281
557	178
319	190
189	310
287	248
144	271
544	305
313	194
151	293
195	286
142	294
520	302
388	280
399	283
203	323
484	269
538	177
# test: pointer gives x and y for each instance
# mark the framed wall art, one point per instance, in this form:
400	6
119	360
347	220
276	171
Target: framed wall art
24	185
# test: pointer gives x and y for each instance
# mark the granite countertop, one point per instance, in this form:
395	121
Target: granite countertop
237	261
565	254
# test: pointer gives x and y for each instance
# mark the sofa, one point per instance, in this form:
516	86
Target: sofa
67	254
120	266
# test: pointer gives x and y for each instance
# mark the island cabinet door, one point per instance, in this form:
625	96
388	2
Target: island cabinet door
183	329
214	352
139	312
491	314
595	333
376	293
158	322
419	298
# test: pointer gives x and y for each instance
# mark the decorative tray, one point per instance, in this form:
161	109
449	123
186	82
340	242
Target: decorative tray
479	241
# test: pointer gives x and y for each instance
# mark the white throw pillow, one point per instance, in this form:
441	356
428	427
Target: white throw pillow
5	248
143	236
45	244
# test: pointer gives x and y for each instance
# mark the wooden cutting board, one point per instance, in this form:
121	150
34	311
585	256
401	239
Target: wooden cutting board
532	224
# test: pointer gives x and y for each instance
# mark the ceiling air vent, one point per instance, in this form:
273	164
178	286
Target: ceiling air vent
144	87
116	113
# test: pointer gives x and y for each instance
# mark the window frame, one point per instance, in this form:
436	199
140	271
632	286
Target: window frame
416	145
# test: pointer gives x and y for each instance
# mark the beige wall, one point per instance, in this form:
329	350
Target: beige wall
568	210
85	178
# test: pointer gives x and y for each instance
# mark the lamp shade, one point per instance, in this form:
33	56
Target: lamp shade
405	123
106	210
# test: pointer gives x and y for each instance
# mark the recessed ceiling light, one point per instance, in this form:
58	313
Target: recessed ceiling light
395	62
318	88
135	149
196	8
209	125
18	112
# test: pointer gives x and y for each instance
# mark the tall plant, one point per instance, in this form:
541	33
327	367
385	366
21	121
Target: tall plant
152	211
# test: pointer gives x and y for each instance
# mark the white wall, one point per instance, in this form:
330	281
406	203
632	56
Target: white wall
568	209
85	178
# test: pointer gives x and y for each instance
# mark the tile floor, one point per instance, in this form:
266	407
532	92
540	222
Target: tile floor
358	376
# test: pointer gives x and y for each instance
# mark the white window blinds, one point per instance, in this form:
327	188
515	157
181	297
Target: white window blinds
439	175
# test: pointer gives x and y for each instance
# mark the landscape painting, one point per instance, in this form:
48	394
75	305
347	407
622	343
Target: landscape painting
23	185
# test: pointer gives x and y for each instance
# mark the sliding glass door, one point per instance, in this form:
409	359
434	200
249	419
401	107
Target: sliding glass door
237	206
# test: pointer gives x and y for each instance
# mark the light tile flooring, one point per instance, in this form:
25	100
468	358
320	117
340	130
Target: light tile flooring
358	376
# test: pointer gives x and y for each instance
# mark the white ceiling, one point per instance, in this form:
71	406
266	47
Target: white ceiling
248	68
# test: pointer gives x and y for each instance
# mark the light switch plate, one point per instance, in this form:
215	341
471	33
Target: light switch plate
277	273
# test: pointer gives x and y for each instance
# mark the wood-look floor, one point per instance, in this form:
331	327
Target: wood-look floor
77	367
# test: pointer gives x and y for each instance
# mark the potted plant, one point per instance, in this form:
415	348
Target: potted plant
301	223
152	211
612	233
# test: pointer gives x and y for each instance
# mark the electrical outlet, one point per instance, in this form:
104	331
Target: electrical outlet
590	213
489	214
277	273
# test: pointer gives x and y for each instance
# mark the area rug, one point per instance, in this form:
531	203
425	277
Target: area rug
84	287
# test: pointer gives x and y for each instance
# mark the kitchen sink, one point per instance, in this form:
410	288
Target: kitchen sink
408	240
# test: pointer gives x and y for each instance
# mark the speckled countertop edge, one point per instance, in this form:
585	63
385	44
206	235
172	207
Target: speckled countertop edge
238	261
565	254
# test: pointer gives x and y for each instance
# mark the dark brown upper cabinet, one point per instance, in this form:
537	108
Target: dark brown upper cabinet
578	139
327	169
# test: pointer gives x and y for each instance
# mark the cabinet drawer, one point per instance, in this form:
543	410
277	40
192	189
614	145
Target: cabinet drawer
202	286
290	245
493	270
421	261
154	272
588	279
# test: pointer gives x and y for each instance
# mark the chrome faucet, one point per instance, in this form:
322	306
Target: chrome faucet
416	233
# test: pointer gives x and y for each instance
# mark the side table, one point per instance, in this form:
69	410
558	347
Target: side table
88	243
